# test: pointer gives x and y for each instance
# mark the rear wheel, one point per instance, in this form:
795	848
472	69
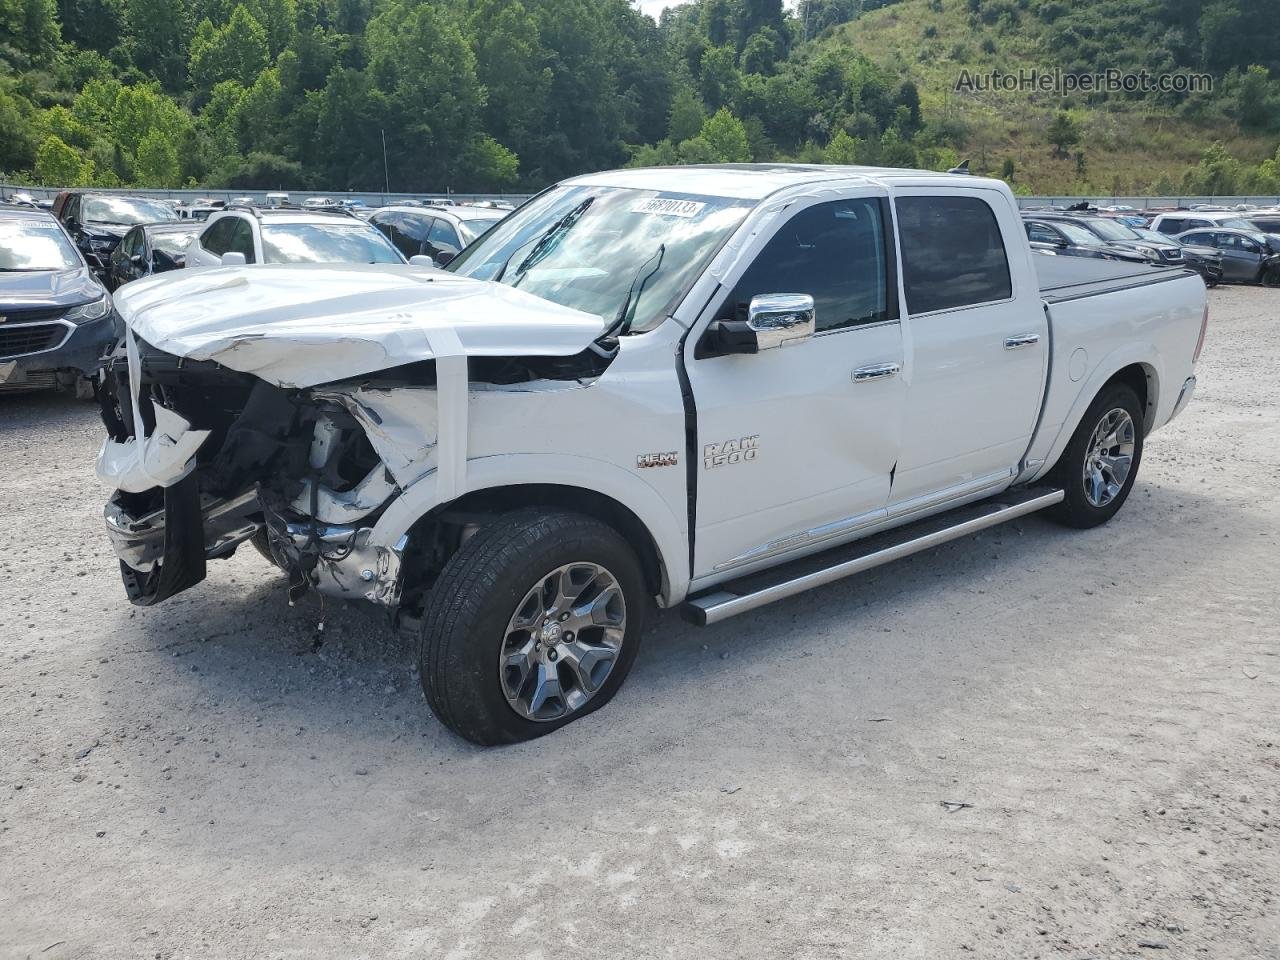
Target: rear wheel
1100	464
533	623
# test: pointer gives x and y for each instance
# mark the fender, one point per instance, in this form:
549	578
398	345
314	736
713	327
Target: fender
1146	355
487	473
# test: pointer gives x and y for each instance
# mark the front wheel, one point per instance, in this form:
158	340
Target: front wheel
1100	463
533	623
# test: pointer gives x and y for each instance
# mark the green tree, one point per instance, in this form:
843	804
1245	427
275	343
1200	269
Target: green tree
725	138
491	165
237	51
156	162
431	114
842	149
686	117
159	36
513	66
1063	133
17	133
30	27
58	165
1256	104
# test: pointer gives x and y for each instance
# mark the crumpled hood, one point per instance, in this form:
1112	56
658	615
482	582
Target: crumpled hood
299	325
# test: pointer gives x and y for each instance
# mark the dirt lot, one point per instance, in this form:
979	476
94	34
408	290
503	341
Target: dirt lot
201	780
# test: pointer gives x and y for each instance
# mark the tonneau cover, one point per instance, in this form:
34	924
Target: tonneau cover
1068	278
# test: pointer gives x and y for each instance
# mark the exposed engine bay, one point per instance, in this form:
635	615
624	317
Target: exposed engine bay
303	474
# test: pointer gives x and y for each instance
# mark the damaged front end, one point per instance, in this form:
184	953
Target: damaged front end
226	458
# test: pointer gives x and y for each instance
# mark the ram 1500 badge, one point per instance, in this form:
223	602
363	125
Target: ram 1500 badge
708	387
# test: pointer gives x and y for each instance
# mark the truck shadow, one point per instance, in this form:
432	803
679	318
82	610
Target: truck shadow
256	656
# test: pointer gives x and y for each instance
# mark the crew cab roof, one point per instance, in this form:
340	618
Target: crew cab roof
755	181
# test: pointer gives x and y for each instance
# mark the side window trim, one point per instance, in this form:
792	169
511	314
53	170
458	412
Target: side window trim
1000	234
892	308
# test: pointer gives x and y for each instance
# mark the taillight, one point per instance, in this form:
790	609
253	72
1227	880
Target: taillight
1204	326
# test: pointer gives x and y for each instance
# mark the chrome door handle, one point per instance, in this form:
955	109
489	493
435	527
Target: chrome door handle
877	371
1022	340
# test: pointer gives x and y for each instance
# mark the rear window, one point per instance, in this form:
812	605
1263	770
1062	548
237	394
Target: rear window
952	253
326	243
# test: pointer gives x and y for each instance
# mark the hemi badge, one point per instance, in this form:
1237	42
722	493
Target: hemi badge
657	459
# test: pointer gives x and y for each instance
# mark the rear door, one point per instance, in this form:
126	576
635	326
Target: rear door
796	444
1241	257
977	345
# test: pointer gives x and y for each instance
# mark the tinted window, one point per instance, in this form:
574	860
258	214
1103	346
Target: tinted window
952	253
217	239
444	237
1173	225
1039	233
242	240
1266	224
325	243
836	253
1206	238
35	245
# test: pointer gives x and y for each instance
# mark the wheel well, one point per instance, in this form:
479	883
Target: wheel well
576	499
1142	379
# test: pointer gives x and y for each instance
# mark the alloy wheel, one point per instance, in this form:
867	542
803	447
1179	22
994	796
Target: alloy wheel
563	641
1109	457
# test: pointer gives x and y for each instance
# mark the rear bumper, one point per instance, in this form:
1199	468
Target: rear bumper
1184	397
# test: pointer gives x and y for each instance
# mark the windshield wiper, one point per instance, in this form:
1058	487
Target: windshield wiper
620	323
543	244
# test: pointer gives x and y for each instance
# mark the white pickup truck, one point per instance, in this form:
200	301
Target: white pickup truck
713	387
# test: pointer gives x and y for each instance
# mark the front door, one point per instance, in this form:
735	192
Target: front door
796	445
978	347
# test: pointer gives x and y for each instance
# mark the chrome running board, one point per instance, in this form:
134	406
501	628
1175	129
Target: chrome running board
724	602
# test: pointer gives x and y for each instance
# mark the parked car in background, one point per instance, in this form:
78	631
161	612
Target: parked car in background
97	221
55	316
1247	255
1267	222
440	233
148	249
289	236
1066	239
1206	261
1165	252
320	203
276	199
1181	221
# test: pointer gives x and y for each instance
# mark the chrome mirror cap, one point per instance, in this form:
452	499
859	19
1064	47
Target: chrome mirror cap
780	318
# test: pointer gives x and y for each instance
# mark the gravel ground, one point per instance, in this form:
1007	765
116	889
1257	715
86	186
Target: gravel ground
203	781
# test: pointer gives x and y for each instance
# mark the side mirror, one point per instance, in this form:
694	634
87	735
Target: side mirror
421	260
1060	243
445	257
136	259
233	258
773	320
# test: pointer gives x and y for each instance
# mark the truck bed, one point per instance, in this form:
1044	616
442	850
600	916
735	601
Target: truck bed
1070	278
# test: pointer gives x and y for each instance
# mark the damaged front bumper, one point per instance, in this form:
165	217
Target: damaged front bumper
202	460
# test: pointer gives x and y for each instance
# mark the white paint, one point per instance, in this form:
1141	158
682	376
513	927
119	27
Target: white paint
298	325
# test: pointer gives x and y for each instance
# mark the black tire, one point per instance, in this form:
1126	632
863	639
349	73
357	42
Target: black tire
1077	510
472	602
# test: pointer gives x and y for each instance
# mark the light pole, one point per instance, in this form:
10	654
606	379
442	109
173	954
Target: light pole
386	177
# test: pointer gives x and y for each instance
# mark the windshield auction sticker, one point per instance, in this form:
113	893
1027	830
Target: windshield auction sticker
666	207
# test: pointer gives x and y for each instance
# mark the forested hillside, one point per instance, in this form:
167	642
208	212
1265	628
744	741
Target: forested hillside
512	94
